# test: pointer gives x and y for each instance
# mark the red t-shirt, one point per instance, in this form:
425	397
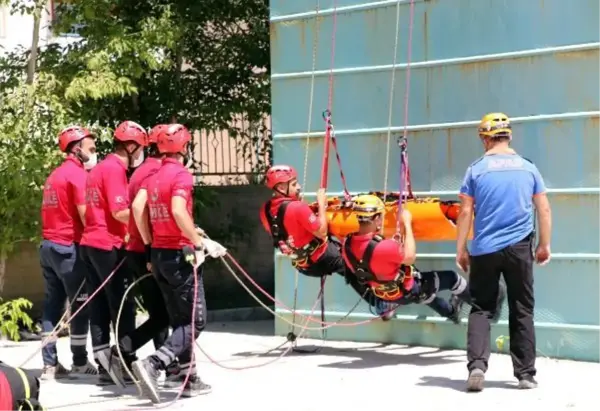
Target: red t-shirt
64	190
386	259
148	168
172	179
106	193
298	220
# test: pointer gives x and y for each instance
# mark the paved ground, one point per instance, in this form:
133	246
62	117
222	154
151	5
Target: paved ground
342	375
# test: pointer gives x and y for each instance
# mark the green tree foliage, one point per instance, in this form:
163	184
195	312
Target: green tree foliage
197	62
30	117
13	316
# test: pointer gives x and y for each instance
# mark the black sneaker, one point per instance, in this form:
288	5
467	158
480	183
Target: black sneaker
456	304
476	380
195	387
527	382
147	374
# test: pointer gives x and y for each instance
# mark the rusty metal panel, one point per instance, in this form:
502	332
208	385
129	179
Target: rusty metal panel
538	61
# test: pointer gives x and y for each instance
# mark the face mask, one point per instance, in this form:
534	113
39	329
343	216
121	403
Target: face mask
91	161
137	161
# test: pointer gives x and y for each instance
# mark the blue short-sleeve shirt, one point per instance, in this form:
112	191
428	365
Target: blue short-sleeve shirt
502	187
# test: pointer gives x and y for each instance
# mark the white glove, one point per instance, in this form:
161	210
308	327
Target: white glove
214	249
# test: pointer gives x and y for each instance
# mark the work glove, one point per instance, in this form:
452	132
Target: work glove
214	249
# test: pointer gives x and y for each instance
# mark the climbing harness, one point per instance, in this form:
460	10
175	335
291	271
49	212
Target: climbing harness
300	255
386	290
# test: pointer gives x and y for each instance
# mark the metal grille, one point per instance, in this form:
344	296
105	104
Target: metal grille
236	156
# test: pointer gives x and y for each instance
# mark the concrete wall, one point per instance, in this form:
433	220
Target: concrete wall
235	214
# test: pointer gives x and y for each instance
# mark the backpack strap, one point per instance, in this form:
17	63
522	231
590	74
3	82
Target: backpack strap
278	232
361	268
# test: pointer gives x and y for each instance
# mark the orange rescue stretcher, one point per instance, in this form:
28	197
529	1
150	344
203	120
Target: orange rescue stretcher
432	218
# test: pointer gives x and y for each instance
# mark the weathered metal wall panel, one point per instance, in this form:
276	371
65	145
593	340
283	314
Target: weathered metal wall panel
538	61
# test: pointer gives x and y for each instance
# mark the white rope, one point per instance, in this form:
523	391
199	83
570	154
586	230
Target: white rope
307	146
391	108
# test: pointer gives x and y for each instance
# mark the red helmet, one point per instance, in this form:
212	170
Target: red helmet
131	131
155	132
280	174
173	139
71	135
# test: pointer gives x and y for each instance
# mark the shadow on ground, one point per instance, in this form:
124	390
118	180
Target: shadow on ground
367	357
460	385
113	393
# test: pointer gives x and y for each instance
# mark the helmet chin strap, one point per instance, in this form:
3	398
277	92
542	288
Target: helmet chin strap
287	191
80	155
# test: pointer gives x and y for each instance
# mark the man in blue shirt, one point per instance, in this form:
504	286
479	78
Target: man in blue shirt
501	188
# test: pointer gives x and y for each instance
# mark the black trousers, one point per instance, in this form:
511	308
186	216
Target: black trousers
332	262
175	278
515	263
156	327
104	306
62	280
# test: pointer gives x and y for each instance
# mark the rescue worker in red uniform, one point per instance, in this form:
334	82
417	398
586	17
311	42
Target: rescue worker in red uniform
387	266
106	219
167	198
300	234
63	216
156	327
